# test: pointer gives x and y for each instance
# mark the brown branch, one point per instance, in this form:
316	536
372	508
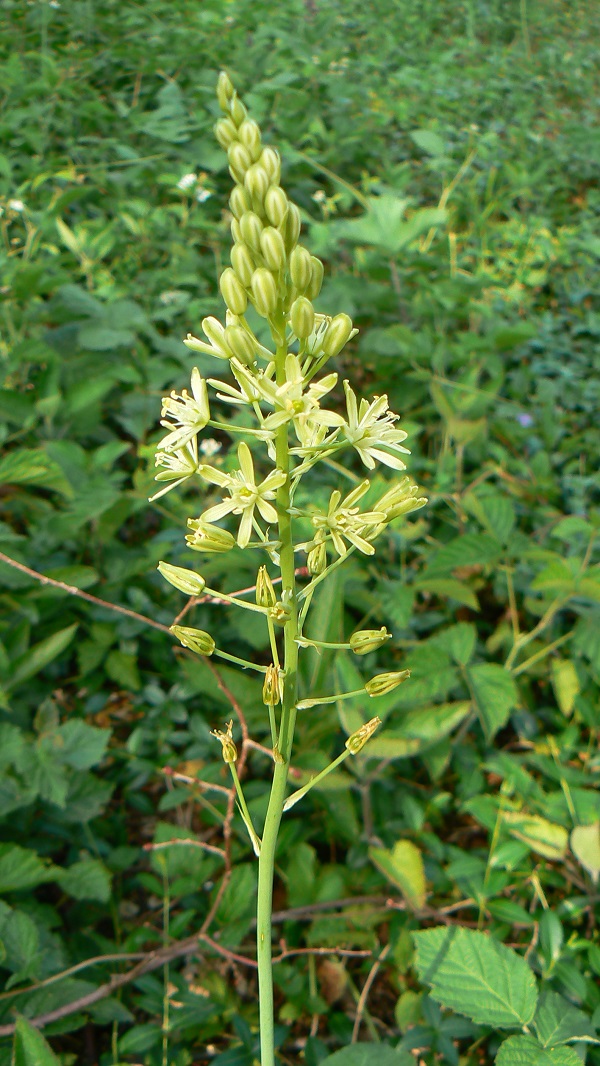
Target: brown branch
187	841
361	1006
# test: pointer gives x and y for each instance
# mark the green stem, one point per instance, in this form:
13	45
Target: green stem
293	799
245	813
266	862
240	662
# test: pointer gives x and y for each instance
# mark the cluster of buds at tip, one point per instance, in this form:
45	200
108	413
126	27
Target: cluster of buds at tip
381	684
358	740
194	639
366	640
184	580
228	747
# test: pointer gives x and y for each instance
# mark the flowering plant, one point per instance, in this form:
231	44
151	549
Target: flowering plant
280	397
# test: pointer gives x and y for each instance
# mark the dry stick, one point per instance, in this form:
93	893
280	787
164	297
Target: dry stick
361	1006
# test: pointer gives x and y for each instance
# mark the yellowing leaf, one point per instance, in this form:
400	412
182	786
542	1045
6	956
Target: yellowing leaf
403	866
565	683
585	845
542	836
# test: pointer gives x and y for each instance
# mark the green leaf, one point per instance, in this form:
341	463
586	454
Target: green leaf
557	1021
21	868
458	641
32	466
450	587
40	655
369	1055
526	1051
83	745
585	845
565	683
547	838
496	695
30	1048
88	879
472	974
22	943
472	549
403	866
428	142
420	729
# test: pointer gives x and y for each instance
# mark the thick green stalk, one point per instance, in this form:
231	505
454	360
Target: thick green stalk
266	862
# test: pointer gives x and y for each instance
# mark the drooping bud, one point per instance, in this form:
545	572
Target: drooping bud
237	110
316	280
240	161
357	740
232	291
265	592
251	228
208	538
242	263
194	639
302	317
272	248
276	205
300	268
381	684
184	580
225	91
241	344
336	334
271	692
228	747
249	135
225	132
256	182
291	227
239	201
270	161
366	640
264	291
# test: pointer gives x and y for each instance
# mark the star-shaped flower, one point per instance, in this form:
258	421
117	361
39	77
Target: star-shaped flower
188	414
344	521
244	494
370	429
178	466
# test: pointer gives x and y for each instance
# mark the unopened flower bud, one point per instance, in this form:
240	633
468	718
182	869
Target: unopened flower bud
184	580
271	692
237	110
236	232
336	334
249	135
242	263
302	317
225	132
272	248
208	538
239	201
241	344
225	90
316	279
291	227
215	332
232	291
240	161
256	181
276	205
228	747
194	639
367	640
280	613
265	592
264	291
300	268
270	161
316	559
251	228
358	740
381	684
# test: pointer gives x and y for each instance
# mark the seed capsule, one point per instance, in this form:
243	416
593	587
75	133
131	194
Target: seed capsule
270	161
242	263
272	248
225	90
249	135
240	344
265	593
239	201
381	684
358	740
232	291
291	227
208	538
316	279
194	639
276	205
228	747
271	692
302	317
316	559
225	132
336	334
184	580
367	640
264	290
251	228
240	160
300	268
256	182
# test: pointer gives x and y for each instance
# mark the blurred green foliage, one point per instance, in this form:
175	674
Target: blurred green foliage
444	156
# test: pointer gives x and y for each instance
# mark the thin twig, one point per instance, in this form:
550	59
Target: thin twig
189	842
361	1006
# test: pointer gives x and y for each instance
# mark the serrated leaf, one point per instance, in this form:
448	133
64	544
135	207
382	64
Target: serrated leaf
403	866
472	974
526	1051
83	745
496	695
472	549
557	1022
30	1048
22	943
585	845
88	879
21	868
369	1055
458	641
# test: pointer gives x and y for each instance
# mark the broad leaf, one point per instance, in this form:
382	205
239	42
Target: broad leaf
41	654
88	879
21	868
547	838
474	975
496	695
403	866
585	845
369	1055
557	1021
526	1051
30	1048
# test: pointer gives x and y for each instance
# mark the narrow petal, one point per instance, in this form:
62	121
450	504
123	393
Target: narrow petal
246	464
218	511
245	530
267	510
216	477
389	460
